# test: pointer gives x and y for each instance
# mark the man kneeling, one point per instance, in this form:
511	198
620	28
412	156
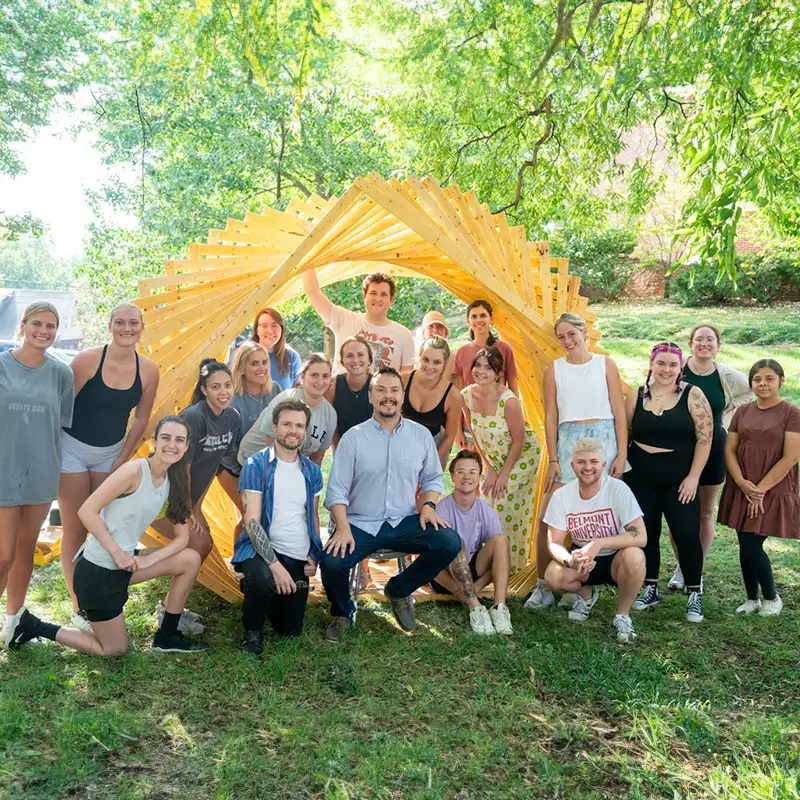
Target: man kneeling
279	548
608	534
485	555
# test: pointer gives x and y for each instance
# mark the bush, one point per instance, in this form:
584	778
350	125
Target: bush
599	258
761	279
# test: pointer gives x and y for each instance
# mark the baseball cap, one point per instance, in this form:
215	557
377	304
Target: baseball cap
435	316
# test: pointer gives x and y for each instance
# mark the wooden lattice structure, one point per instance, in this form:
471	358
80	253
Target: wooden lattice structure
416	228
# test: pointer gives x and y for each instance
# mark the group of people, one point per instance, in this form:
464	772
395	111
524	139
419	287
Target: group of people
392	413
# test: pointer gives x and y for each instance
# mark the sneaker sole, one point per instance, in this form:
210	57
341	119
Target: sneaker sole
634	607
695	619
176	650
576	618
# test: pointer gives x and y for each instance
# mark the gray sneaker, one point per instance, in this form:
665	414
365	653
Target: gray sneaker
581	609
189	622
336	627
403	610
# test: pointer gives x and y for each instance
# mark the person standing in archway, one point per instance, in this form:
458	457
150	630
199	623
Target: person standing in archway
392	344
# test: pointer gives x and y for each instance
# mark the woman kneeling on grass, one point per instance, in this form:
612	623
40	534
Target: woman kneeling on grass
116	514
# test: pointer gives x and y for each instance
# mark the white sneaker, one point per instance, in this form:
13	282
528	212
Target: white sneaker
501	619
189	622
581	609
623	627
771	608
567	600
480	621
540	598
676	582
749	607
9	629
694	607
79	621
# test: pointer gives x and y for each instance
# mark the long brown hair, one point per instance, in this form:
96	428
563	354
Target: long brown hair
179	501
279	348
208	366
487	306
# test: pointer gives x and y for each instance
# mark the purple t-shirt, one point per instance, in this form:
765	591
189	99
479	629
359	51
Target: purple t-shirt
475	527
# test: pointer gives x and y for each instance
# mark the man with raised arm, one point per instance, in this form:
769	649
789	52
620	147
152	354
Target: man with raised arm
607	528
372	499
278	551
392	344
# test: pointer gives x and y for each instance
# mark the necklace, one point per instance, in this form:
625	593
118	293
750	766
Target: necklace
703	374
356	394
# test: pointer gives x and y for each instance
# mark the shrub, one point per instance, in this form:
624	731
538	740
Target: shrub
761	279
599	258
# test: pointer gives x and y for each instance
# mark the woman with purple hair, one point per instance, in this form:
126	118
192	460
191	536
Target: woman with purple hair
671	426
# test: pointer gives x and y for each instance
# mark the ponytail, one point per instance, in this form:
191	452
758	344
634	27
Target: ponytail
208	366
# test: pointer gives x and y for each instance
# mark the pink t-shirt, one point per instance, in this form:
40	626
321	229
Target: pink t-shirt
462	365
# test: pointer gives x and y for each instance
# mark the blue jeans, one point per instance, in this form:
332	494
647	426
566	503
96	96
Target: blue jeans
436	550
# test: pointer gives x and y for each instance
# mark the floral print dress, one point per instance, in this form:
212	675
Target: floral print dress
515	510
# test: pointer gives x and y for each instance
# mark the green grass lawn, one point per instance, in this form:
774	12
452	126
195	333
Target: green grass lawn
558	710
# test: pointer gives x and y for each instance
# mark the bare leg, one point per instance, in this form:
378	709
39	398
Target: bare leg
628	571
9	528
19	577
542	553
458	579
708	501
199	537
494	562
73	489
564	579
184	567
107	638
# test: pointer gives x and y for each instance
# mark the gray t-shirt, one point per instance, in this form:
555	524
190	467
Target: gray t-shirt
318	436
212	438
35	402
249	408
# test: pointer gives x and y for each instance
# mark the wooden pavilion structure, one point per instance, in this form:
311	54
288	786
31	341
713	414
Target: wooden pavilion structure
414	228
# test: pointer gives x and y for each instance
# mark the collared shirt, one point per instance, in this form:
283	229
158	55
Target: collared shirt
258	475
375	473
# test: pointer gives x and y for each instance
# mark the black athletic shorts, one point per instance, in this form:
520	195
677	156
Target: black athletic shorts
715	470
102	593
439	589
601	574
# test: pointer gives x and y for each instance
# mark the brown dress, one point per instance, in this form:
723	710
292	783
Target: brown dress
761	433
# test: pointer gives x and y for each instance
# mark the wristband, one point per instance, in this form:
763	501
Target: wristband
430	503
553	461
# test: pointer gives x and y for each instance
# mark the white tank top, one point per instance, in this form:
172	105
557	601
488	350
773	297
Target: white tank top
127	518
581	390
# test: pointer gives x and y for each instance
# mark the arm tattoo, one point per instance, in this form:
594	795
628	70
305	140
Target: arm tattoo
632	530
701	416
460	571
258	536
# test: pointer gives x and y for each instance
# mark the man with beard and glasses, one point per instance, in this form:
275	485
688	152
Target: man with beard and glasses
278	551
607	528
371	497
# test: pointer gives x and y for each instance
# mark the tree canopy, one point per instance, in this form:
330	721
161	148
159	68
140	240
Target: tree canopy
223	107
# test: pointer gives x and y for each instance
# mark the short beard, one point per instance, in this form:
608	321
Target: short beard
284	444
384	415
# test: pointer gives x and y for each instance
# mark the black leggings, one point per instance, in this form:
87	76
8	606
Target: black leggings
654	479
755	565
261	600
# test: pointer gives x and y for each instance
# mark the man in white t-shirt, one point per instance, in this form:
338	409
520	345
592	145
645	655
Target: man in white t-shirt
607	528
392	344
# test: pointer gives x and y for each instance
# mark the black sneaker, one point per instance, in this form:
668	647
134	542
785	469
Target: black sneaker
24	631
336	627
649	598
252	642
176	643
403	610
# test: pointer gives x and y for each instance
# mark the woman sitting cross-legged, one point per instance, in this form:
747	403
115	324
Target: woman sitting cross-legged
485	551
116	514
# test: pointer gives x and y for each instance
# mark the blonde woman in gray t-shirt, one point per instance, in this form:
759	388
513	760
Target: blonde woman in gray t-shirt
36	397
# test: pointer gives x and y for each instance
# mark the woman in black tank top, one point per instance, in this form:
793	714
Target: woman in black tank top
670	439
110	382
425	402
349	393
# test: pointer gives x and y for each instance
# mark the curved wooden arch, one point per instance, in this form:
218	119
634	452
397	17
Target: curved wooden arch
196	308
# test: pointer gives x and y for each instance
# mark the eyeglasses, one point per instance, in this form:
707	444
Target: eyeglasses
704	340
266	325
467	473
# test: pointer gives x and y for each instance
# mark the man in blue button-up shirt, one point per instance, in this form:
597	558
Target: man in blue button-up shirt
372	499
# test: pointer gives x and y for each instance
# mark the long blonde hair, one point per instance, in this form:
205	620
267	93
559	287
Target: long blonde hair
38	307
240	365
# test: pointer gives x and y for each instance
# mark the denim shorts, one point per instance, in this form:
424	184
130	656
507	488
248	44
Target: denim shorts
569	433
76	456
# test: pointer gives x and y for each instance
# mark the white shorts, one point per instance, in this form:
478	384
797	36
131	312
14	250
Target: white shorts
79	457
